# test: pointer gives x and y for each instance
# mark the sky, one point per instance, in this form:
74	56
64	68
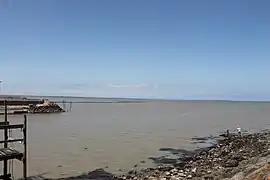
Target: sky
145	48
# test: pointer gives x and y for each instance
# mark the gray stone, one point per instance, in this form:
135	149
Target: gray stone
167	173
181	175
238	176
231	163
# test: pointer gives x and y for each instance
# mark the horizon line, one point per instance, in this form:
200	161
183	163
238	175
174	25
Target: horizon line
132	98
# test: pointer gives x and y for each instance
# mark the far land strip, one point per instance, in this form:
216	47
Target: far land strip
21	105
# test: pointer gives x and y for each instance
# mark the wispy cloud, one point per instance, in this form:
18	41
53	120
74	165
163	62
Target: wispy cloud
132	86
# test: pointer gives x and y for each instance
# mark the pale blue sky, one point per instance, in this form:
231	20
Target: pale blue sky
145	48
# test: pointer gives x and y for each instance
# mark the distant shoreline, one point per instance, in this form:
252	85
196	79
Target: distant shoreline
35	99
121	99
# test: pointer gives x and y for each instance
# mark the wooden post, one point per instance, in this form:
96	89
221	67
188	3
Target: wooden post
64	106
25	148
5	139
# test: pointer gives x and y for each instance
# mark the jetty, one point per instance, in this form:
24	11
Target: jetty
24	105
8	154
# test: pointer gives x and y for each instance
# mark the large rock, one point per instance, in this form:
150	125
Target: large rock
46	107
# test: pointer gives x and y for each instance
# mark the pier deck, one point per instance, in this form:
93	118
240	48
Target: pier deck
22	102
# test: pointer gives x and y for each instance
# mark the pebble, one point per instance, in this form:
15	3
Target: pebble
189	176
181	175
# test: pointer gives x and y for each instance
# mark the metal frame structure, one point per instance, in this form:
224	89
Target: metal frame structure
7	153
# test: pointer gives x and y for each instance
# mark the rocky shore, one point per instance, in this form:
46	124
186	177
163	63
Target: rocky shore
232	157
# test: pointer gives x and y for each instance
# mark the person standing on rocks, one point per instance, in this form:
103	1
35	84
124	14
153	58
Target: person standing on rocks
238	129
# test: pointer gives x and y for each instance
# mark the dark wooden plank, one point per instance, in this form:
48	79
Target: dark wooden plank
4	123
12	140
12	126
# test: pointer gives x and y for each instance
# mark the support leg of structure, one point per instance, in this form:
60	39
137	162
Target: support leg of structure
5	170
25	148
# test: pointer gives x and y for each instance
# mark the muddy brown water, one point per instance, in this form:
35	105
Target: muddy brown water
118	136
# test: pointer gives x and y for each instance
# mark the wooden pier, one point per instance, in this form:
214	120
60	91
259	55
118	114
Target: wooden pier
22	102
8	153
34	106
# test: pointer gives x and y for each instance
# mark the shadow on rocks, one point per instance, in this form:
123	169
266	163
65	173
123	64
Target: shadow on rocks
181	156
